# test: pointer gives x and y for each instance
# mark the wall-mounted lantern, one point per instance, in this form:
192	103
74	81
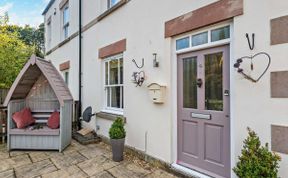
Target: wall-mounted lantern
157	92
155	61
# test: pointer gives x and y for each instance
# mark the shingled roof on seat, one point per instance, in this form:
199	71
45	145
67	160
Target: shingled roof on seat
29	75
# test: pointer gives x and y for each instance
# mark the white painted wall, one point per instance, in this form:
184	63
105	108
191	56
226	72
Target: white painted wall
69	51
142	24
56	22
253	105
143	39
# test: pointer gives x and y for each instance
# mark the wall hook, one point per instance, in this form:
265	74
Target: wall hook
139	67
251	46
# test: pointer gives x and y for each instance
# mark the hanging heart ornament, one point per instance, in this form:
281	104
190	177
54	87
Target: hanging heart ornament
247	75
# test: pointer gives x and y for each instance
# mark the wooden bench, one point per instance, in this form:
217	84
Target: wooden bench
35	138
41	117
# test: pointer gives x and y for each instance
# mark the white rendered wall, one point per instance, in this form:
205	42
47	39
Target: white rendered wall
143	39
142	24
253	105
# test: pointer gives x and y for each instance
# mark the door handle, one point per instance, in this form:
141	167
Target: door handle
199	82
226	93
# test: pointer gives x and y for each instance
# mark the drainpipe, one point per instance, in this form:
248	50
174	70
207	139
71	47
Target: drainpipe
80	66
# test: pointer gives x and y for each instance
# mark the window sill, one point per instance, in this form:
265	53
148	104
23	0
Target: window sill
111	10
109	116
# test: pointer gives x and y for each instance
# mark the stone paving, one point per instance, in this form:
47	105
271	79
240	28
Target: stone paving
77	161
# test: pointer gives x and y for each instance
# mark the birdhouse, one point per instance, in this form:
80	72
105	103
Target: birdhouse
157	93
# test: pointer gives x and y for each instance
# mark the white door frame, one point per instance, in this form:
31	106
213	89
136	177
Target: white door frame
174	54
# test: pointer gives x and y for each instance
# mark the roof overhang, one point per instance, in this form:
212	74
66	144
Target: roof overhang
45	67
48	7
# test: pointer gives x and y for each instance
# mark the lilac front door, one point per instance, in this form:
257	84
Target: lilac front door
203	111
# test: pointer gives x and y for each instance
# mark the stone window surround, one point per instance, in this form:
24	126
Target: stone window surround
64	66
210	14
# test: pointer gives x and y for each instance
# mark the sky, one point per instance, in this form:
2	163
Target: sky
22	12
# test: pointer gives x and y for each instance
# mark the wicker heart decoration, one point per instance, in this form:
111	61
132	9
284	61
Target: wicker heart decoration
240	70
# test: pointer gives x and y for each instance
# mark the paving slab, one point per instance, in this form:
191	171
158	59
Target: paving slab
38	156
35	169
4	155
69	172
74	146
53	154
77	161
92	152
7	174
14	162
68	159
17	153
97	165
160	174
129	170
103	174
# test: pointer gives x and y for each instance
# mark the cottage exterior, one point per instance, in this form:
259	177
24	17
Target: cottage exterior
208	103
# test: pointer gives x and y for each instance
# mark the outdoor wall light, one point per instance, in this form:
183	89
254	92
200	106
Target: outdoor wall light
55	11
155	62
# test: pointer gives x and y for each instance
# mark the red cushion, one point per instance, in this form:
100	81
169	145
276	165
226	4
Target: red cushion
23	118
54	120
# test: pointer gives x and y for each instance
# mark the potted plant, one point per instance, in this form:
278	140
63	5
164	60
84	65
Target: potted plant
256	160
117	135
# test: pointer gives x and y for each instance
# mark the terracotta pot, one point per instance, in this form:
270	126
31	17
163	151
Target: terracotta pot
117	149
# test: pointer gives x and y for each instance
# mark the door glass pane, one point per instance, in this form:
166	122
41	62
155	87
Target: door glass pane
113	72
200	39
220	33
189	83
214	81
115	97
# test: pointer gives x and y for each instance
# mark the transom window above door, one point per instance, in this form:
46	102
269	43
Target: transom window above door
113	83
207	37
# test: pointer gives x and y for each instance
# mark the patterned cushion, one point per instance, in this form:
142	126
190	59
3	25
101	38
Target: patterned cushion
54	120
23	118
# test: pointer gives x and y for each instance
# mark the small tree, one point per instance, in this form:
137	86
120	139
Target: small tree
256	161
117	130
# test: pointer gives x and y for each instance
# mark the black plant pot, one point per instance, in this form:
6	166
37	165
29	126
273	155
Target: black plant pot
117	149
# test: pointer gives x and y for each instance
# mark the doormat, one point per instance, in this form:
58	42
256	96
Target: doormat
86	139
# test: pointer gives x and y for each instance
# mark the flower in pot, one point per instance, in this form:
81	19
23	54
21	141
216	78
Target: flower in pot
117	135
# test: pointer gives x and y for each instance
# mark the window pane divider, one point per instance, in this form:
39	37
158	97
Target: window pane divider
116	85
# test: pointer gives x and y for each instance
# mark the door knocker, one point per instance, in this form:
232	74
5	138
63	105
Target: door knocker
199	82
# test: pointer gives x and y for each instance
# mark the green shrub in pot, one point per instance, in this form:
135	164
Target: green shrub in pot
256	161
117	136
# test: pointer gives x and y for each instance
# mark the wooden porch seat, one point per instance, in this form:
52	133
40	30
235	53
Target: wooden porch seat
40	132
41	117
40	87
